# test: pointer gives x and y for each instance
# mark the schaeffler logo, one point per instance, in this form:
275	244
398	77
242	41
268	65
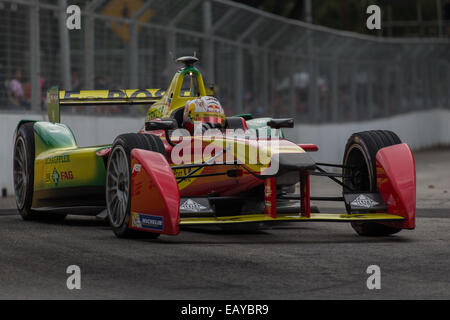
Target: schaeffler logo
256	148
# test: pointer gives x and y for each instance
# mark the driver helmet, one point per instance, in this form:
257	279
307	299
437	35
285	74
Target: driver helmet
206	110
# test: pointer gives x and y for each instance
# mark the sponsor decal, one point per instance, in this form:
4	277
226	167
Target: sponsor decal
58	159
154	113
213	108
146	221
191	205
66	175
183	172
136	168
135	222
55	176
268	191
364	201
114	94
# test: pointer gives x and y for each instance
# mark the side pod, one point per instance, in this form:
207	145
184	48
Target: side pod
155	198
396	180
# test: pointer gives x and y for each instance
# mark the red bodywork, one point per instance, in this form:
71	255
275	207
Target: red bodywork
154	190
308	147
156	193
220	185
270	197
396	180
305	194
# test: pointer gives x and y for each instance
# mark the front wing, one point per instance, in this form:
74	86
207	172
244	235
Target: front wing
293	217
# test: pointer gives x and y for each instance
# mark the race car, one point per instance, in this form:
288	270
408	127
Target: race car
190	165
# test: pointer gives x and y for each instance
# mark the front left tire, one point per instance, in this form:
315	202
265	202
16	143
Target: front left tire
118	181
23	170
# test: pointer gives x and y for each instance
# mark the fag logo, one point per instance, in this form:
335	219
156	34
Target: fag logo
63	175
364	201
66	175
191	205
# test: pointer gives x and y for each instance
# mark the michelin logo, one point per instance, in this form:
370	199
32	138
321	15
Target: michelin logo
145	221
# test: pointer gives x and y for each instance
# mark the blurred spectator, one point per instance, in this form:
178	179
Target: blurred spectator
76	85
2	88
100	83
27	91
43	91
17	94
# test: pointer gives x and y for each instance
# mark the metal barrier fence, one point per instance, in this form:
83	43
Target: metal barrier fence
258	63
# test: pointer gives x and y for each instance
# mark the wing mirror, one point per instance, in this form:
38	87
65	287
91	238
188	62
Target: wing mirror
281	123
162	124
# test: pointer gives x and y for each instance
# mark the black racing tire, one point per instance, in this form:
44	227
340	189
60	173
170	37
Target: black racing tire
360	172
118	181
23	170
23	175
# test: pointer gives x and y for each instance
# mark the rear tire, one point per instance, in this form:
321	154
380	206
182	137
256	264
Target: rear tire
23	175
118	181
360	154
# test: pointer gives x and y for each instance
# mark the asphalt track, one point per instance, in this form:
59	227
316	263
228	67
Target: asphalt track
290	261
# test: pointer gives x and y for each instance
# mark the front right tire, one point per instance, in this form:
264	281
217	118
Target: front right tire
360	172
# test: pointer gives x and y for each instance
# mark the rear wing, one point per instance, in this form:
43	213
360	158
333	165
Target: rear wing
57	98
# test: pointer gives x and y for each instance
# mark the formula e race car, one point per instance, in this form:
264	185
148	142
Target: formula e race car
189	165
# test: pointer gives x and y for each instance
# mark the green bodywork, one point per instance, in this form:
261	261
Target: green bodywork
60	163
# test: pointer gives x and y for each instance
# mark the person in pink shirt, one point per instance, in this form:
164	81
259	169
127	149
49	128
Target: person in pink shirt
16	89
17	92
